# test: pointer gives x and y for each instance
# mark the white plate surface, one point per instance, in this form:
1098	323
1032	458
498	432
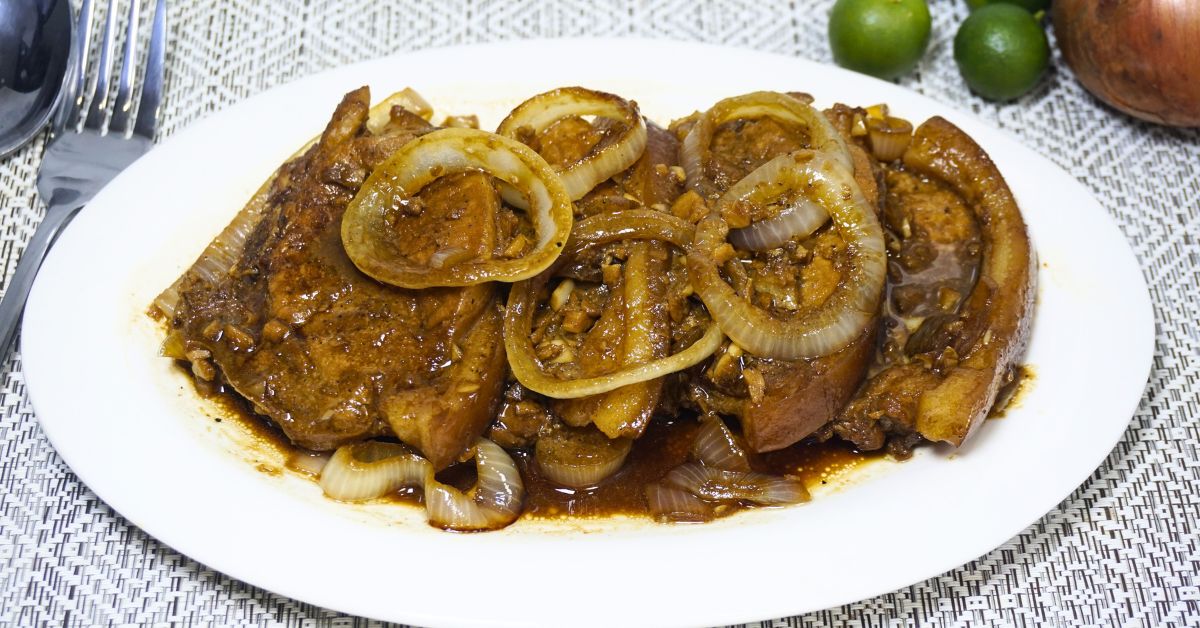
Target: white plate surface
130	426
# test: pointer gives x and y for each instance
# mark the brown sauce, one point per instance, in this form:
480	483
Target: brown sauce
1013	392
234	408
664	445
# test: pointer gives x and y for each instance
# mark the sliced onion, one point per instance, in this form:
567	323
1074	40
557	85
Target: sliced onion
889	137
668	503
494	502
626	412
223	252
372	469
527	371
716	446
719	485
539	112
580	457
768	182
694	152
844	314
368	238
308	463
630	224
518	321
408	98
448	255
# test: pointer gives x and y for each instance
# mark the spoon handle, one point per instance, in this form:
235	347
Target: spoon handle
13	302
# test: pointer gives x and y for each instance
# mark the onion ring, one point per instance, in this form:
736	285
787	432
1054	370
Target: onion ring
366	233
771	180
848	310
539	112
781	107
494	502
372	469
580	457
594	231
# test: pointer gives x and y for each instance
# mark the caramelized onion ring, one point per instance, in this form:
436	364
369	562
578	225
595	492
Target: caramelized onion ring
631	224
844	314
539	112
597	230
580	457
494	502
716	446
367	236
372	469
781	107
769	181
720	485
675	505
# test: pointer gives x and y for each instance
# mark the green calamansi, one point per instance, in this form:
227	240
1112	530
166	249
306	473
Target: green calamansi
883	38
1033	6
1001	51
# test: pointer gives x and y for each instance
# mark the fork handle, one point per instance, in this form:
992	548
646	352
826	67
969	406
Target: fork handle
13	302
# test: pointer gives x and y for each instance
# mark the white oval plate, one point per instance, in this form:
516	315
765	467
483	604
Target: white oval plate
130	426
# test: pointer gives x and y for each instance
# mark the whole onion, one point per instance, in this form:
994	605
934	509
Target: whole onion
1139	56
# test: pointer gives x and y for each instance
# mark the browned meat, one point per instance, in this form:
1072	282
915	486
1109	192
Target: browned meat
938	245
325	352
606	335
780	402
800	396
963	280
740	146
883	413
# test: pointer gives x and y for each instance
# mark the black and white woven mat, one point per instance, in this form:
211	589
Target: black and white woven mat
1124	549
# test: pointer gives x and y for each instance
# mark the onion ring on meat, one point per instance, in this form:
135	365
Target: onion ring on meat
844	314
367	235
542	110
694	152
799	218
597	230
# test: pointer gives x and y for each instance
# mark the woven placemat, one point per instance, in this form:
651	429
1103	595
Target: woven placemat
1123	549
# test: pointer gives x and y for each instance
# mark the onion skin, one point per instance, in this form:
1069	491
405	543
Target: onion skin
1136	55
372	469
723	486
675	505
494	502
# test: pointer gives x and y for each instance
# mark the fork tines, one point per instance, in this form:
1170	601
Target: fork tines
95	97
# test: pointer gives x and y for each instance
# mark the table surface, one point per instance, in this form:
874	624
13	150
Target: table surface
1123	549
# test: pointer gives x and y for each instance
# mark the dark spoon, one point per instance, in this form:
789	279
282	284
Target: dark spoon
35	50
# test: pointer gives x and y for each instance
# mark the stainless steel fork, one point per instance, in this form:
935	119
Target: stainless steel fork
81	161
